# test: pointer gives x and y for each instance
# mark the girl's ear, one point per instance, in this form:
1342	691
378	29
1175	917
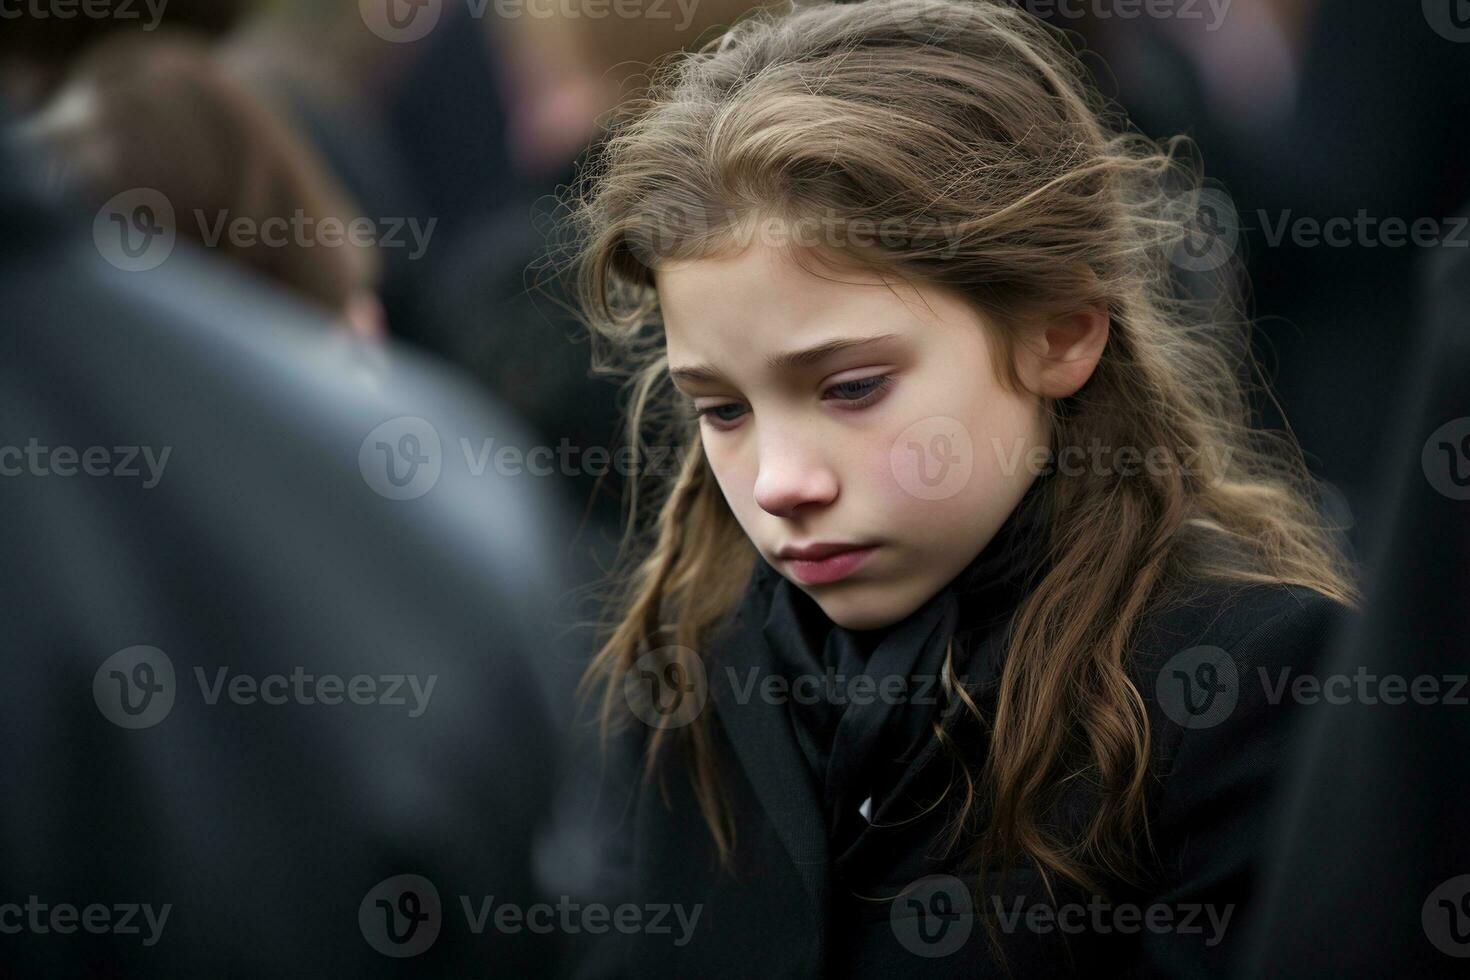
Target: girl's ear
1059	353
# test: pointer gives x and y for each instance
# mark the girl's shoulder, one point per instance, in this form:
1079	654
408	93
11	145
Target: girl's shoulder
1274	621
1230	661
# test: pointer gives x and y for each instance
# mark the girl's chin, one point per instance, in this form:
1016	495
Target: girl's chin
866	606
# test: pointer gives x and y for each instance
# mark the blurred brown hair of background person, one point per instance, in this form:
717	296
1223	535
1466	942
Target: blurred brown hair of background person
163	112
37	43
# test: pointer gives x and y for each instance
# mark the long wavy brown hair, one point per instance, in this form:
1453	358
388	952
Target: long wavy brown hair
973	129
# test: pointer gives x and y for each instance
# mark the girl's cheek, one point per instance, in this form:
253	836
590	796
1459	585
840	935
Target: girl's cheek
888	497
730	477
931	460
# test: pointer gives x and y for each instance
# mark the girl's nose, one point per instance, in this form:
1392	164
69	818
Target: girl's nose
790	479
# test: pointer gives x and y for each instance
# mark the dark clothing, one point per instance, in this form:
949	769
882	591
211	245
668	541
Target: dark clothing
799	906
858	735
1372	872
259	549
1315	193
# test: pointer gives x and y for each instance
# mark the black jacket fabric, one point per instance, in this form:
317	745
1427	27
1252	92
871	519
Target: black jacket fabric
1371	875
863	702
901	905
266	837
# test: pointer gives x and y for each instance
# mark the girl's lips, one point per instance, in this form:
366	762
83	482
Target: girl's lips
833	568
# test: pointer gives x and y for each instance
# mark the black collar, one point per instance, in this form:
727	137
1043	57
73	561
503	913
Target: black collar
761	731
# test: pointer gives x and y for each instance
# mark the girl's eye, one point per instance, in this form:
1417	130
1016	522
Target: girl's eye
722	416
854	394
859	392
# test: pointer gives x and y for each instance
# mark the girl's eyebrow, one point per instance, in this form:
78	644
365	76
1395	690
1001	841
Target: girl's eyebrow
807	357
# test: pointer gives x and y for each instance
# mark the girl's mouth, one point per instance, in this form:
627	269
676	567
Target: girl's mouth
822	563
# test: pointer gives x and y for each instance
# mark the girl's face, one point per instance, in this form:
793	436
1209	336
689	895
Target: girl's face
860	438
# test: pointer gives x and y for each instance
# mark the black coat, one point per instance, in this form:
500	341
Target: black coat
788	913
1373	828
264	827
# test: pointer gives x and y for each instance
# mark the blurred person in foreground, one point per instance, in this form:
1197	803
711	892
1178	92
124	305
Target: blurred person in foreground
156	131
474	123
273	702
1372	832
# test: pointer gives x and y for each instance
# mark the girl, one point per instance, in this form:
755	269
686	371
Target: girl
954	645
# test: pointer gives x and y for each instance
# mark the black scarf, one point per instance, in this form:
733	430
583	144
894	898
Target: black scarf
858	739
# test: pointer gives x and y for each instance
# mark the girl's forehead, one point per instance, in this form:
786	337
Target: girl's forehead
762	294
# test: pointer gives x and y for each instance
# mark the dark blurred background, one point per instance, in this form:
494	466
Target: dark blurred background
1332	133
1321	123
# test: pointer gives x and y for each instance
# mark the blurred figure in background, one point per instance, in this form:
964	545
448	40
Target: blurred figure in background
468	126
1327	123
276	660
475	124
38	43
162	113
1372	827
1304	108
